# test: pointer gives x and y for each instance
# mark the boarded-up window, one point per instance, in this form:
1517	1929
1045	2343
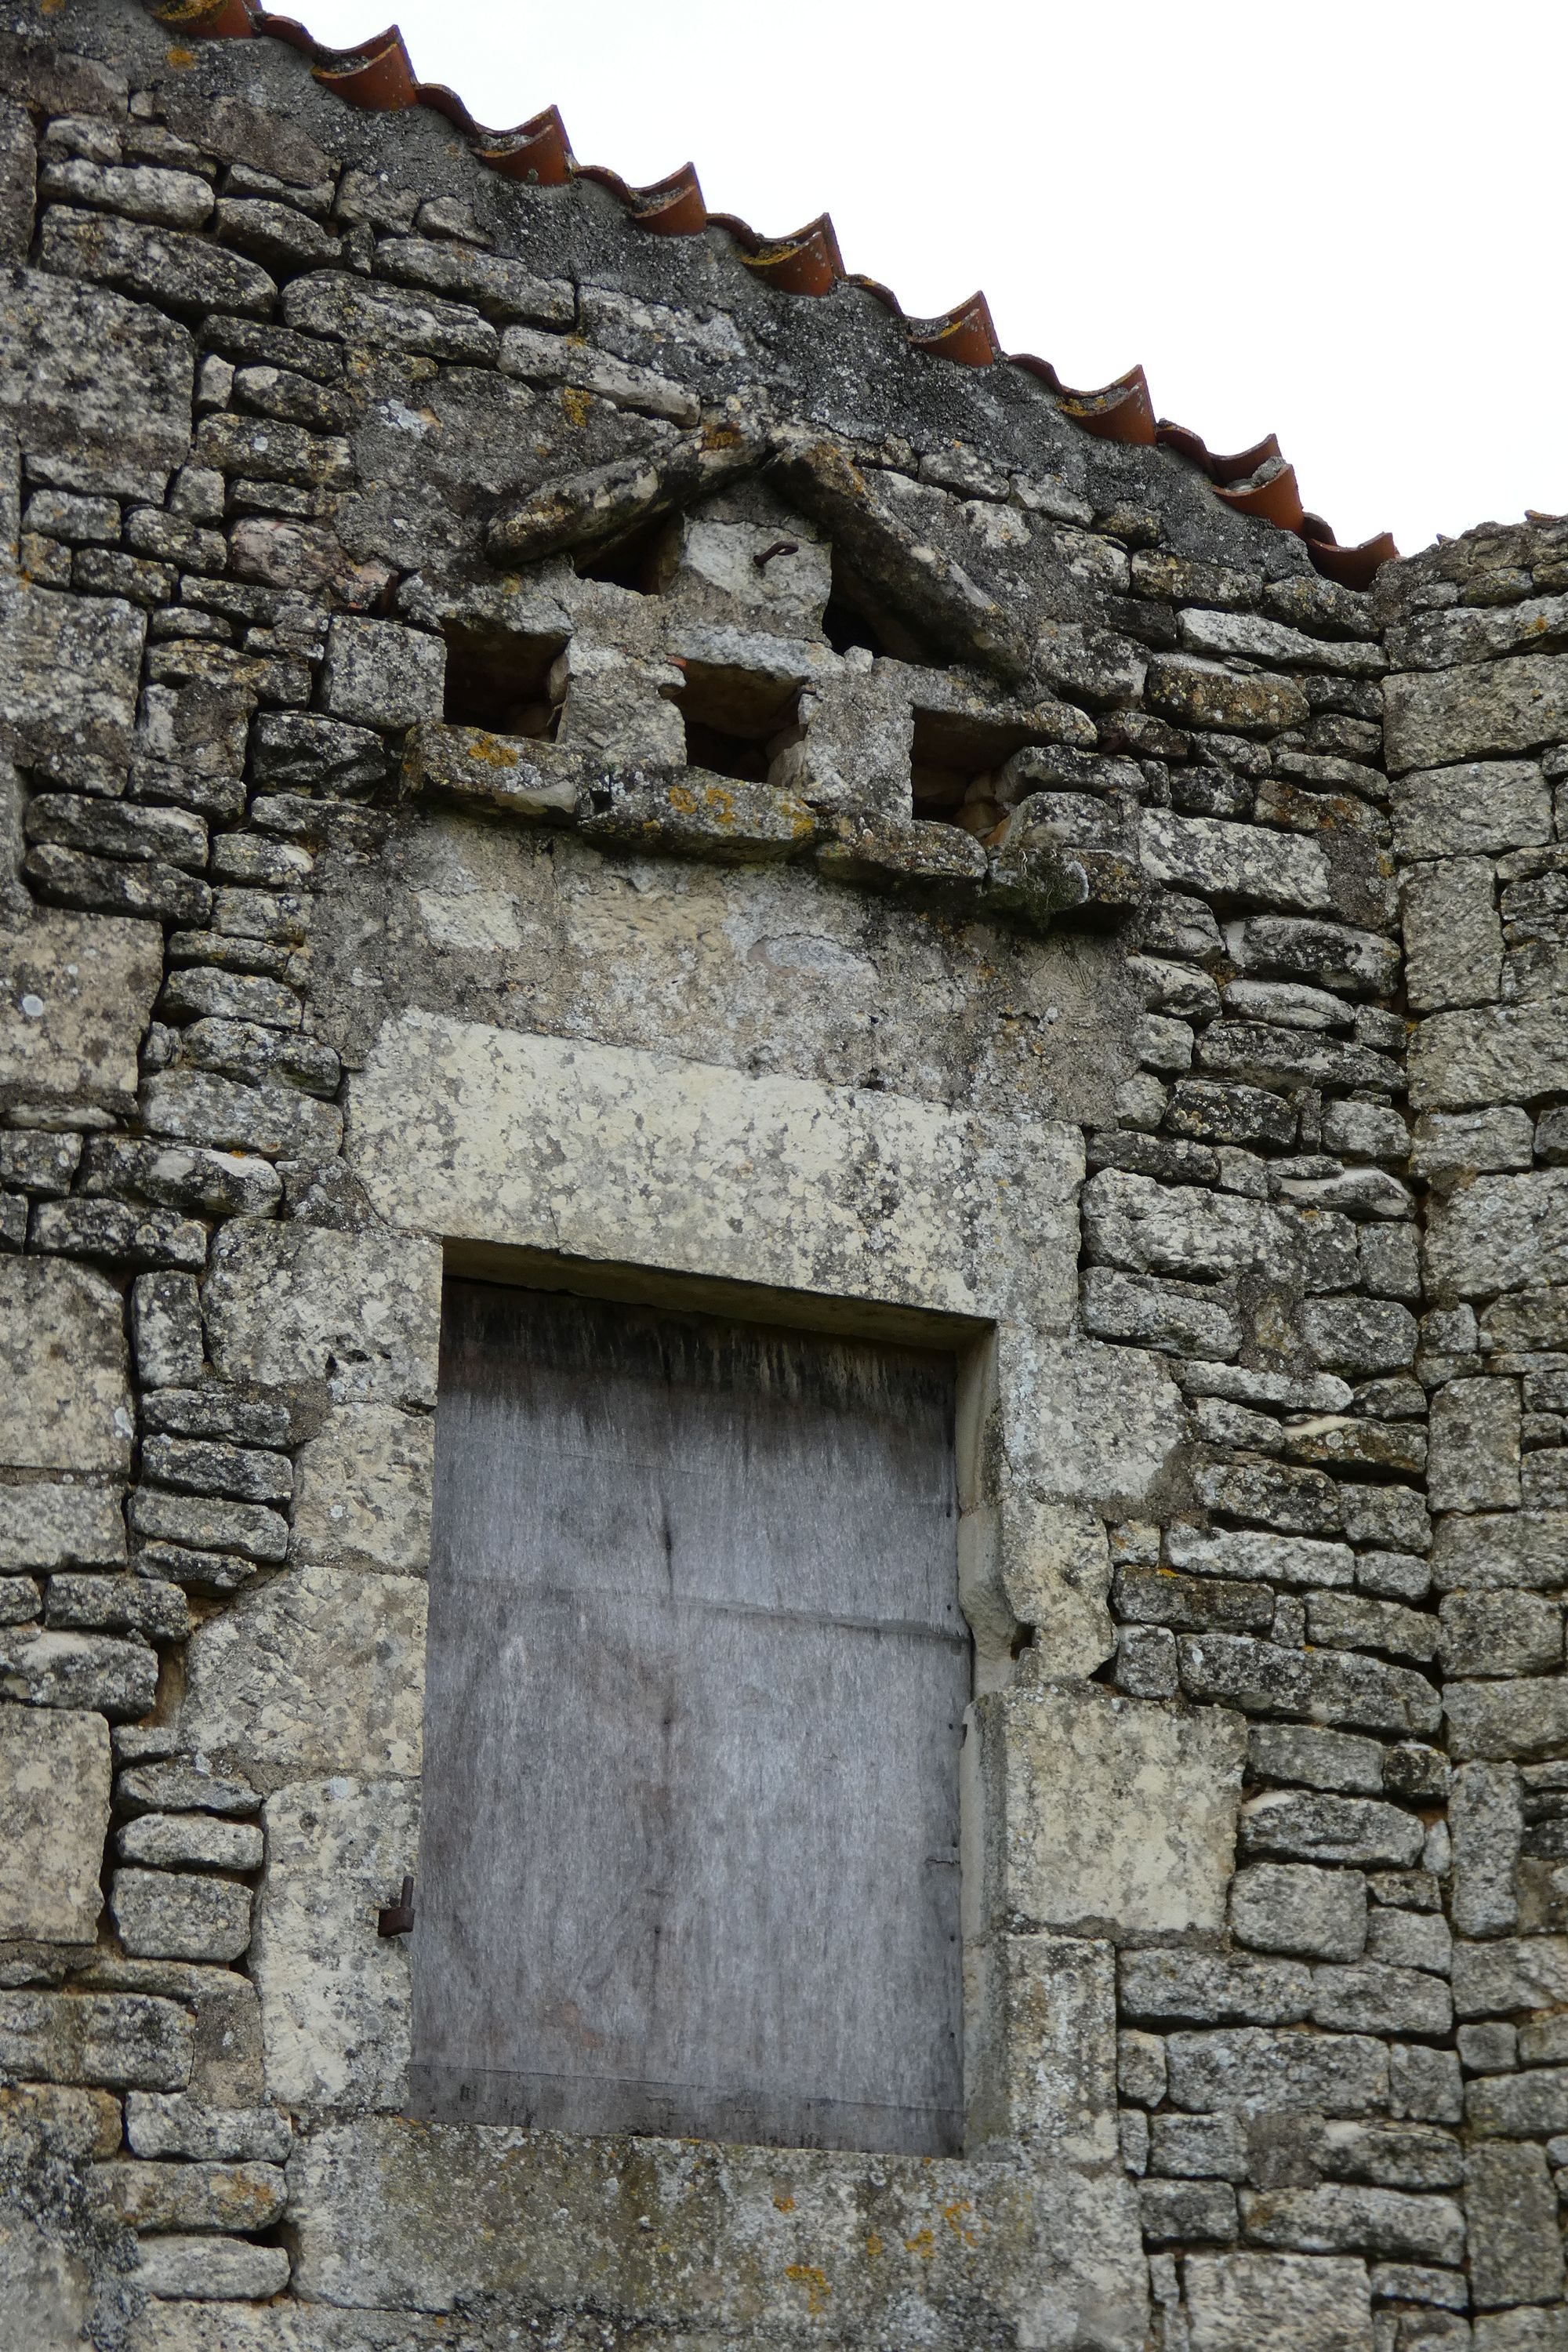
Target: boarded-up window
696	1688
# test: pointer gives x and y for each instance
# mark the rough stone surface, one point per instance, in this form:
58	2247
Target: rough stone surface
1277	2303
53	1814
1171	1782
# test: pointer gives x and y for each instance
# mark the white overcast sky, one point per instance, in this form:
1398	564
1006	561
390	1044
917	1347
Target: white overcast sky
1342	221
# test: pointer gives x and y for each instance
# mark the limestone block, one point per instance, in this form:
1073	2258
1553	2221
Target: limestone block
1042	1564
1453	934
122	2040
209	2268
71	2123
79	997
1510	1973
201	2196
1265	1678
1475	1446
1276	2070
1494	1721
1481	709
65	1403
607	1153
1465	1143
1494	1054
334	1994
53	1817
1230	861
292	1302
382	2214
1302	1825
1277	2303
71	669
1515	2245
176	2123
1498	1553
226	2058
1456	812
166	1330
1501	1634
180	1913
1108	1814
1373	1999
54	1524
380	674
1337	2216
1165	1988
1084	1423
321	1671
87	375
363	1490
1300	1908
78	1670
1047	2060
1501	1232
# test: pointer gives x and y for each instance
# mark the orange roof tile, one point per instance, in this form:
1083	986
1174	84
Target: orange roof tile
379	74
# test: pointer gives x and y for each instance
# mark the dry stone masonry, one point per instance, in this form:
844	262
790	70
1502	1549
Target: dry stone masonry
519	736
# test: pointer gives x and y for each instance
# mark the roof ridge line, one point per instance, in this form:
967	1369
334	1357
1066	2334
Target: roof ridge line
378	75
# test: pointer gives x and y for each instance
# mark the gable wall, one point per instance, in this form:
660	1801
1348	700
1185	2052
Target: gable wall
1228	1094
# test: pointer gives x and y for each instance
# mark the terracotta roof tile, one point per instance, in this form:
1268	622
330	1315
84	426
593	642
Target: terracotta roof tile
379	74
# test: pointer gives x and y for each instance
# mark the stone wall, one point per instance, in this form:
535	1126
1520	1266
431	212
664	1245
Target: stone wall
520	738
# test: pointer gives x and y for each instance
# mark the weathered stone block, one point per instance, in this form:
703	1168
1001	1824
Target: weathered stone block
1201	2147
49	1524
1359	1335
65	1403
200	2196
1319	1759
1495	1721
53	1817
1453	935
319	1672
1519	2106
334	1995
1501	1634
1299	1908
1373	1999
86	375
379	674
89	1671
166	1330
561	1144
1203	1988
80	992
1499	1553
1511	1973
181	1915
121	2041
1152	1853
1485	709
1515	2245
209	2268
1501	1232
1337	2216
1277	2303
289	1303
1247	1552
1486	804
1495	1054
1263	1678
1475	1446
1277	2071
159	2123
364	1491
1301	1825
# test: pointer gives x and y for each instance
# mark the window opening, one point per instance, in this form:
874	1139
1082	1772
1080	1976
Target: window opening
499	679
695	1692
736	723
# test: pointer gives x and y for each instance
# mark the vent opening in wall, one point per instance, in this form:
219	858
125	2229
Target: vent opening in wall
695	1698
857	615
736	722
634	563
954	764
499	679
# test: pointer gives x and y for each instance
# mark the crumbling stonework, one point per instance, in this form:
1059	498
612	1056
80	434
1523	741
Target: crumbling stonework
520	737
